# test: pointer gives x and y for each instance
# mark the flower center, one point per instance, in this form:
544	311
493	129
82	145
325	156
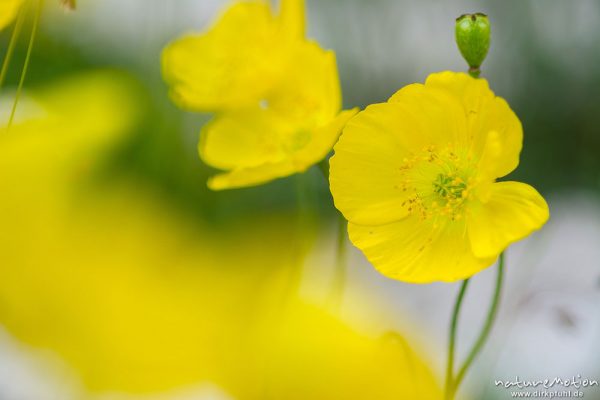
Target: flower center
438	183
449	187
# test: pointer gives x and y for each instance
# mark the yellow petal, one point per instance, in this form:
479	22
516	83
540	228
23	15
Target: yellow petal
513	211
252	176
309	94
8	11
485	113
257	156
74	112
311	355
293	19
294	128
323	139
235	63
414	251
437	118
365	176
243	138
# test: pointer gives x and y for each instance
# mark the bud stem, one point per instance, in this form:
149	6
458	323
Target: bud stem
474	72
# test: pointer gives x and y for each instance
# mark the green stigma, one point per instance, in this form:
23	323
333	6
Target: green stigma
449	187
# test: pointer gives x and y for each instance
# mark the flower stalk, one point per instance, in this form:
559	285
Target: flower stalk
11	47
452	384
34	29
452	339
336	293
339	279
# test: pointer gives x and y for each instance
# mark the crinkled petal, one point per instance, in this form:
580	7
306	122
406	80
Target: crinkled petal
415	251
365	174
486	115
437	118
512	212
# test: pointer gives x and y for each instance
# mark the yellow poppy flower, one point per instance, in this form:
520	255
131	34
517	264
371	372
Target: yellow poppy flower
415	177
8	11
277	95
237	61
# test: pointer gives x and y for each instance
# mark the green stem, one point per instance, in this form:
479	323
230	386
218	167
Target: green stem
303	224
475	72
452	341
339	281
11	47
34	30
485	331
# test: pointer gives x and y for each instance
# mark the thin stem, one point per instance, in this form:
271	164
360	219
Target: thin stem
452	342
475	72
34	30
339	281
303	224
11	46
487	327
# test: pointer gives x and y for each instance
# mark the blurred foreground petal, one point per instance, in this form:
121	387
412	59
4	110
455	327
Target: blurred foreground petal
8	11
137	299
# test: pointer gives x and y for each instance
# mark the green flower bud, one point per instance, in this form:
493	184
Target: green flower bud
473	39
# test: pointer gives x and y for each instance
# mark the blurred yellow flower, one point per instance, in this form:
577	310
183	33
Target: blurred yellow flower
136	298
311	354
8	11
277	94
415	177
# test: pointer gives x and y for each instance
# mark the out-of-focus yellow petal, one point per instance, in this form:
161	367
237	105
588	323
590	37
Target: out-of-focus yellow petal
292	17
274	158
243	139
323	139
309	354
69	102
294	128
233	64
512	212
277	94
76	113
252	176
136	299
8	11
105	275
309	94
412	250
